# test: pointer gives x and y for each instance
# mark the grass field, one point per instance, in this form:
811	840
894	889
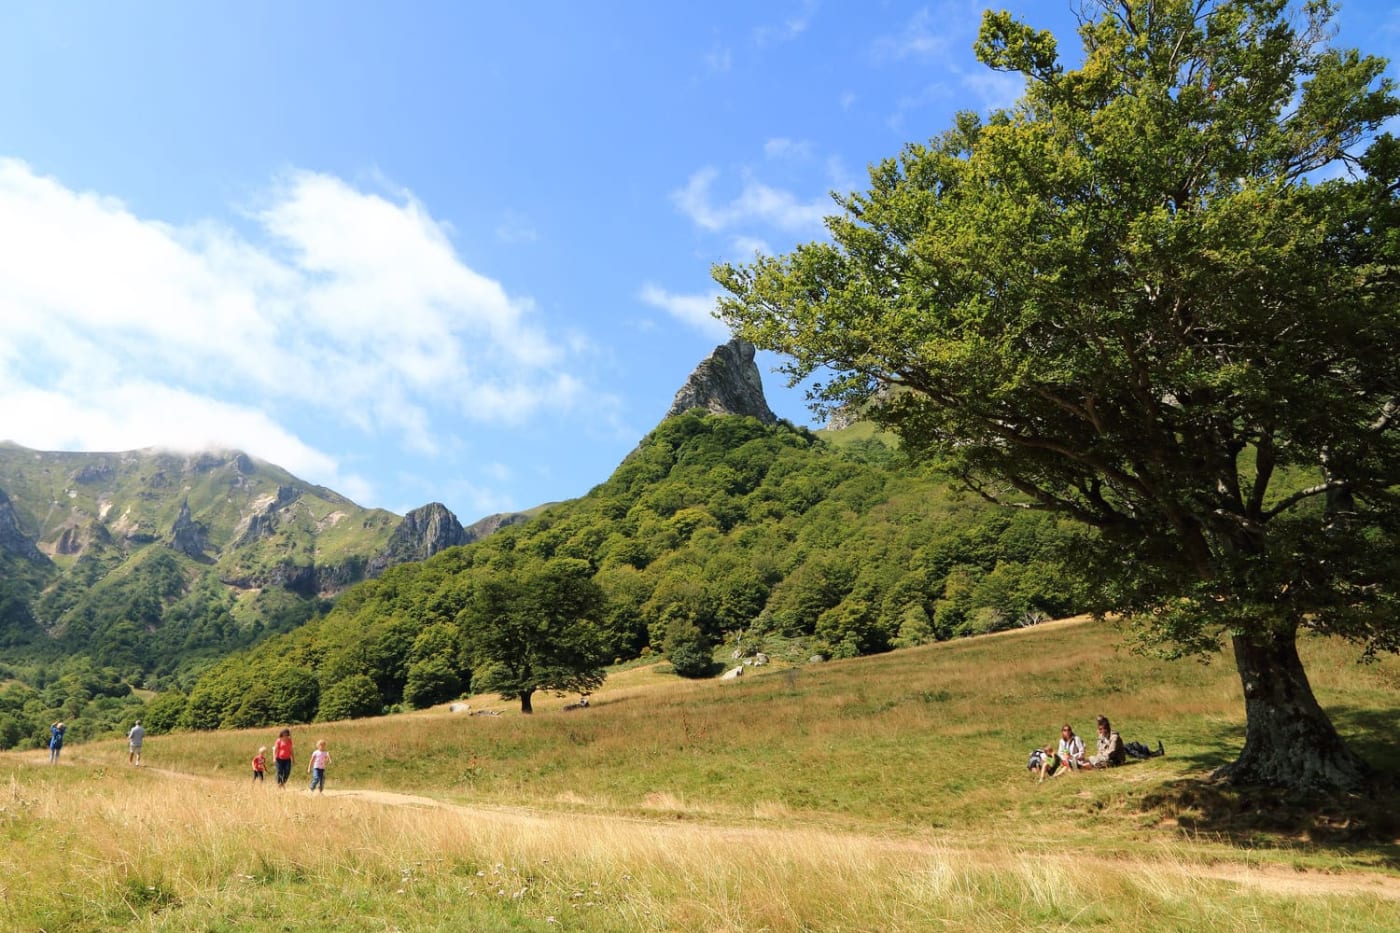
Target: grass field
884	793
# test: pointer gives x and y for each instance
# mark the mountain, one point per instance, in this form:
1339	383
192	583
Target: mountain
432	528
149	559
718	538
209	577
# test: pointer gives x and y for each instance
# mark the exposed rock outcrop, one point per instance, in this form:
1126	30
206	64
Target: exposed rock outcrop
12	539
486	527
76	539
263	520
726	383
422	533
188	536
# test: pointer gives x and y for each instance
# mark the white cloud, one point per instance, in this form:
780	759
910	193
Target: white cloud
159	416
756	203
790	28
996	89
918	39
744	247
352	307
515	227
693	310
782	148
719	60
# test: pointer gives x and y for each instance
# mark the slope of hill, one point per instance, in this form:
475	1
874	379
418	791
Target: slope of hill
886	792
719	530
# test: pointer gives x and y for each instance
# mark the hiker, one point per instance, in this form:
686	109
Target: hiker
1071	750
1111	751
282	756
317	769
55	741
134	738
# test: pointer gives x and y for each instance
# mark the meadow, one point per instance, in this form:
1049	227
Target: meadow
880	793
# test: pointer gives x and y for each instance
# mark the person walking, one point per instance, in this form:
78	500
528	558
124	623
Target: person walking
317	769
260	765
134	738
282	756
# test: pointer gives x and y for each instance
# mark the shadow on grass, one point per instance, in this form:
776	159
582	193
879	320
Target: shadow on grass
1365	823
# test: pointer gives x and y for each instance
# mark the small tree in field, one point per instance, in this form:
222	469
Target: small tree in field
1158	295
534	627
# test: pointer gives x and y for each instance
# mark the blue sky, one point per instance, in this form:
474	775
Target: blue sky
438	251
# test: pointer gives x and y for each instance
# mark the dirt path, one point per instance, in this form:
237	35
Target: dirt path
1274	879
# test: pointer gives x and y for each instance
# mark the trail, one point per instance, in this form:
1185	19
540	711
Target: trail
1274	879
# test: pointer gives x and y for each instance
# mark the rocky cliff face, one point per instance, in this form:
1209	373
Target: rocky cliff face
12	539
188	536
486	527
726	383
422	533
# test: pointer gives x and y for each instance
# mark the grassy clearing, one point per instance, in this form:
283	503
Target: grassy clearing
875	794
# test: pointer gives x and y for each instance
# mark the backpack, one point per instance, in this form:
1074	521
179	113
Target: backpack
1140	751
1036	760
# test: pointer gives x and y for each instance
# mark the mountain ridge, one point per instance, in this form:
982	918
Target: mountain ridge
228	545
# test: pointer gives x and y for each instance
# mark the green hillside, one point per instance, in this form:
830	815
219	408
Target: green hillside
717	535
885	792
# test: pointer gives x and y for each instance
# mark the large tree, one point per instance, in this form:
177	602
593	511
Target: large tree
1158	295
534	626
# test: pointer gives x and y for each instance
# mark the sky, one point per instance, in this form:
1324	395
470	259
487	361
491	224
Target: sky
450	252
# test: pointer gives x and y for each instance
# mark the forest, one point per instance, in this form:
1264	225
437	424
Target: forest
717	532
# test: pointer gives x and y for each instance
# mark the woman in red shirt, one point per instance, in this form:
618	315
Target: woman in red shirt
282	755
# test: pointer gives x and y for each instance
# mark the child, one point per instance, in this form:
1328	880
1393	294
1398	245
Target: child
317	769
260	765
1049	761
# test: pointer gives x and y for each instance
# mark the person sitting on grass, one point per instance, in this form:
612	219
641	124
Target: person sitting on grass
1071	750
1048	763
1111	751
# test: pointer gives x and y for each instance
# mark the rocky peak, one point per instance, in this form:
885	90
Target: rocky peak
726	383
188	536
422	533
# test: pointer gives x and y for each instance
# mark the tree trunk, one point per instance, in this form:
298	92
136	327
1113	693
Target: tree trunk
1289	741
525	706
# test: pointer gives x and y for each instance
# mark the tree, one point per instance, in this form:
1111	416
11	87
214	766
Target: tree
535	627
690	651
354	697
1158	295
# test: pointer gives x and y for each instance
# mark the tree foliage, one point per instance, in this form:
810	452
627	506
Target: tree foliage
1156	296
535	627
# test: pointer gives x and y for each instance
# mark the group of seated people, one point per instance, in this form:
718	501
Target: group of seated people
1069	756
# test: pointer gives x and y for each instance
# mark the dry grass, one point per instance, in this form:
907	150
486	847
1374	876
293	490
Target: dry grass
877	794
